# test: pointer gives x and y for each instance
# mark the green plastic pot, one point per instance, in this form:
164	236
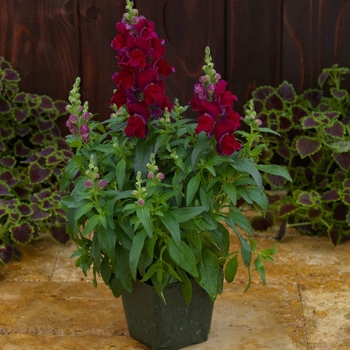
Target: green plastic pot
169	326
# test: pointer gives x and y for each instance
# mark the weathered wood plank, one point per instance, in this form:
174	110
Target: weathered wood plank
315	36
253	46
98	63
40	39
188	26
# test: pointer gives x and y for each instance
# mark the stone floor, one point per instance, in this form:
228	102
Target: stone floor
46	303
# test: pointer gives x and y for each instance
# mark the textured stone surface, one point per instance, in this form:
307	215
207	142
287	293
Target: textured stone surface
37	262
46	304
266	317
327	314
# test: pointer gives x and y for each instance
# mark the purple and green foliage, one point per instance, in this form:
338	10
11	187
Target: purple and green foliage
314	146
32	155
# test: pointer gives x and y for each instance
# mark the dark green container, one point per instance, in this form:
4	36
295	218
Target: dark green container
171	326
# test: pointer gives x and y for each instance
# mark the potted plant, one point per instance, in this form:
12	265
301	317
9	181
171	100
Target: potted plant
313	144
32	155
154	192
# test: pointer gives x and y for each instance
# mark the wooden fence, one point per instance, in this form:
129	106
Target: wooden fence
253	42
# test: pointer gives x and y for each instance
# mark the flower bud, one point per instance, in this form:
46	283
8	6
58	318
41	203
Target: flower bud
80	108
96	175
259	122
102	184
73	118
86	116
150	175
88	183
160	176
140	202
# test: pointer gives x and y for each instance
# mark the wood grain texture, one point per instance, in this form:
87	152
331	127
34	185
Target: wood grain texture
315	36
188	26
253	49
40	39
98	19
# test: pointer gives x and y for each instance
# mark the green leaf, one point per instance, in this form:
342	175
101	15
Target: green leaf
172	225
91	224
245	250
231	269
185	214
83	210
122	270
259	266
186	285
208	271
258	197
231	191
183	256
103	220
120	173
247	166
274	170
143	150
105	270
203	143
116	286
234	217
108	240
135	251
222	238
270	131
145	218
192	188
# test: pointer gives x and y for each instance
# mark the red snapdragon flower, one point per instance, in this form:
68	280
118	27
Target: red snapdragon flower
140	56
214	105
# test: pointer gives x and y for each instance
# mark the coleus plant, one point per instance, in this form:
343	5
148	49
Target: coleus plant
154	192
312	142
32	155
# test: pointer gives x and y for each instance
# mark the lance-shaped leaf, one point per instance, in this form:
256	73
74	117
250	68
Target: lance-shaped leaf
144	216
172	225
135	251
183	256
208	273
307	146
